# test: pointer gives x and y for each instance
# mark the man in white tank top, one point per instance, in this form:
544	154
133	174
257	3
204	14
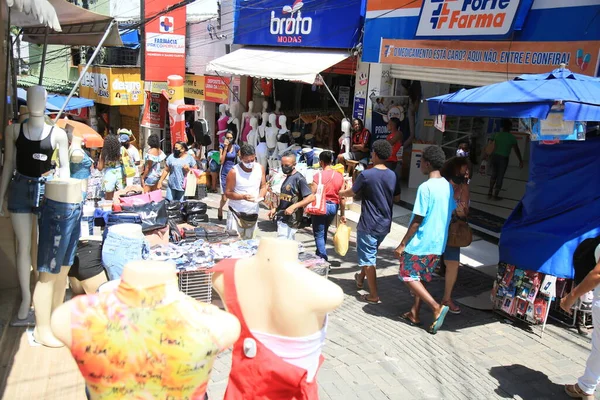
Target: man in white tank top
246	187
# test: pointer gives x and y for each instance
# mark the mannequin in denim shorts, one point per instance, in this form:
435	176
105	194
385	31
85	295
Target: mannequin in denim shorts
28	148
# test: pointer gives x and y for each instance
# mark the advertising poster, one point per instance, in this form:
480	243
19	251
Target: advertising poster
155	111
360	92
344	96
164	46
359	108
112	86
385	108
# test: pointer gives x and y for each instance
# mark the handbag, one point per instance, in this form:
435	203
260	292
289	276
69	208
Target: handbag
459	234
318	206
153	215
139	199
128	167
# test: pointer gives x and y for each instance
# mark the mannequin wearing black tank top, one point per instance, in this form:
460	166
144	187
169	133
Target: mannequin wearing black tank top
34	157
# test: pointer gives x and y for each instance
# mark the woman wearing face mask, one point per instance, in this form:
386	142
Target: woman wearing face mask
178	165
456	171
228	155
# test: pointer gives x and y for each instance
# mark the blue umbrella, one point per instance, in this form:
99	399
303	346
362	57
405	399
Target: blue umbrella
527	96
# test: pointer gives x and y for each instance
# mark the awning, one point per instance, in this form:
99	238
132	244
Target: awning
288	64
55	101
130	38
80	27
33	12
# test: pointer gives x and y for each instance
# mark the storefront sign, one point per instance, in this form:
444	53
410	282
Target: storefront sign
571	130
308	23
164	50
385	108
112	86
155	111
359	108
216	89
503	57
463	18
193	87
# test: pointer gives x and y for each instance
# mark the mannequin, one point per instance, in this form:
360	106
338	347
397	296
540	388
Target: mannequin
252	138
271	134
278	113
274	295
81	162
284	138
233	124
176	341
222	122
246	122
346	136
265	107
20	158
87	273
60	228
258	140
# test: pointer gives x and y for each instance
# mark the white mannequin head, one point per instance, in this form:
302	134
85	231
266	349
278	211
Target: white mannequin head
254	122
222	109
250	106
234	109
272	119
346	126
277	105
283	122
265	118
265	105
36	101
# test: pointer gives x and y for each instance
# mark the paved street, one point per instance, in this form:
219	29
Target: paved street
371	354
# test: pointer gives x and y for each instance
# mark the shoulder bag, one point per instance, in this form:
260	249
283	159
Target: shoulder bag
459	232
318	206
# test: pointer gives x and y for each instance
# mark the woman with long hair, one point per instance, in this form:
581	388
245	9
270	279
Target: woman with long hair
228	154
178	165
456	171
110	163
153	164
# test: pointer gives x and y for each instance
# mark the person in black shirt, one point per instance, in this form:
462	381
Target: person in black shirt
295	195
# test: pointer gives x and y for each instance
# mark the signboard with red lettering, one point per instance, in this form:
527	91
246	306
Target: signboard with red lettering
164	44
155	110
216	89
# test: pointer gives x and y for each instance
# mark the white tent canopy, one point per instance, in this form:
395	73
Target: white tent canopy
33	12
302	65
78	26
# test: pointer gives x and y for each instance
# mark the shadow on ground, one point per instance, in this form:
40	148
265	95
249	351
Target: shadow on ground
519	380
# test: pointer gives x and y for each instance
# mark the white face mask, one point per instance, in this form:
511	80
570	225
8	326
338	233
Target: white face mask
249	165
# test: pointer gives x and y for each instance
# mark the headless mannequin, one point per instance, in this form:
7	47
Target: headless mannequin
235	120
222	122
254	138
142	276
283	147
49	291
277	294
246	116
262	152
265	107
76	155
253	134
271	135
90	285
278	107
346	136
25	224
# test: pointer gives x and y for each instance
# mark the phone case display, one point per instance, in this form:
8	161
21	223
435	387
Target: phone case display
524	295
581	312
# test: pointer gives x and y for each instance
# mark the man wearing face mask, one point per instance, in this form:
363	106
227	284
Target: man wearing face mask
134	154
295	195
245	188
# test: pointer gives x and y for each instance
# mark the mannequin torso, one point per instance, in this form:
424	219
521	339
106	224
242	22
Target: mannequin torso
271	132
246	116
64	190
233	124
80	163
147	339
252	137
222	122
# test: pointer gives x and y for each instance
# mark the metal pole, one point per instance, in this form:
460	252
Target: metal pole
332	96
87	66
44	50
14	81
5	108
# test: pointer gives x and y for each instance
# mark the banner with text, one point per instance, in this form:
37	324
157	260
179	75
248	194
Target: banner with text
155	110
503	57
164	48
216	89
112	86
385	108
200	87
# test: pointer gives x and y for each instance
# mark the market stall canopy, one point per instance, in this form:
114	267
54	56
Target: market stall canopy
527	96
33	12
80	27
302	65
55	101
91	138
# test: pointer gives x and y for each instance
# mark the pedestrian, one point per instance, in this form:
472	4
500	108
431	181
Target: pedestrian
246	187
504	142
332	181
125	136
420	250
153	161
587	383
359	143
214	165
456	171
295	195
395	139
379	189
178	165
228	155
110	163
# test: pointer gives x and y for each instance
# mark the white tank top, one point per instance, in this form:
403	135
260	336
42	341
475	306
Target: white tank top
247	183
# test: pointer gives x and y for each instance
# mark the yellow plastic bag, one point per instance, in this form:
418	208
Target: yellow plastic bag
341	239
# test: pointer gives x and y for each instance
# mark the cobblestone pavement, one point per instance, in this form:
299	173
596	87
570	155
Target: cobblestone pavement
371	354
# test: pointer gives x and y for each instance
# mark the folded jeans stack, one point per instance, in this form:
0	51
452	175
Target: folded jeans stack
119	250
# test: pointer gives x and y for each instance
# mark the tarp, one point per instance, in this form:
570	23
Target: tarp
54	101
301	65
527	96
80	27
560	208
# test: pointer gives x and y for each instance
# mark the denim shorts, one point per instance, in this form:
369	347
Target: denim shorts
60	229
151	180
25	194
113	179
119	250
452	253
366	247
214	166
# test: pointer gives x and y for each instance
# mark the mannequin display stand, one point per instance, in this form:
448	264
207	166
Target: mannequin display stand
29	147
144	339
275	301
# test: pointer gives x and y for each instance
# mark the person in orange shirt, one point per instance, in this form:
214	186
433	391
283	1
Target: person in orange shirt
395	139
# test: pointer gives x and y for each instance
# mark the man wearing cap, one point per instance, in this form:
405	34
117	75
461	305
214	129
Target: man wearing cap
134	155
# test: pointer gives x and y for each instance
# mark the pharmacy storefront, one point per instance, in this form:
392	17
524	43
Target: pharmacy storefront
424	48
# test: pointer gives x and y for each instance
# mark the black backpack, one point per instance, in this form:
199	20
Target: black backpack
583	259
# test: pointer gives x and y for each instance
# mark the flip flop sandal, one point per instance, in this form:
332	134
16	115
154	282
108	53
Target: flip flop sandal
365	299
406	318
358	285
575	392
452	310
437	324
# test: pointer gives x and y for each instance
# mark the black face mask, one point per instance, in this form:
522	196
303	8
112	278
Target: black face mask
287	169
459	180
176	153
126	145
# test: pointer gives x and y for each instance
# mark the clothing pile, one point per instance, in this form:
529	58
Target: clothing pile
186	255
209	232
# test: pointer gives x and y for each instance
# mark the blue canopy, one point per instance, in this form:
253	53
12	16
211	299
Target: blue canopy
560	208
527	96
55	101
130	38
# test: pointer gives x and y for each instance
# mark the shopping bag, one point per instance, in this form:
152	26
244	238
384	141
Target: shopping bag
143	198
128	167
153	215
318	206
341	239
190	185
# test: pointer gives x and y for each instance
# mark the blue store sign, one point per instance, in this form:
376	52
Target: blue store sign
308	23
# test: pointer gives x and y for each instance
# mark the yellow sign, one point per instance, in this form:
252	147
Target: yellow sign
113	86
193	87
428	122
